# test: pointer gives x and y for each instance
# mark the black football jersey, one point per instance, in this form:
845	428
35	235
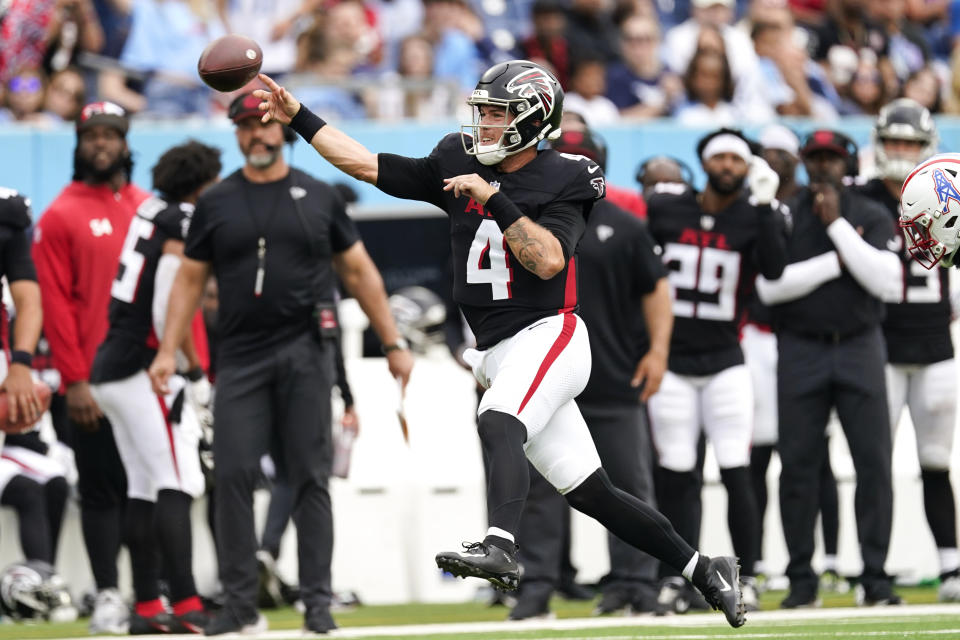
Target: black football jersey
497	294
131	341
712	261
917	328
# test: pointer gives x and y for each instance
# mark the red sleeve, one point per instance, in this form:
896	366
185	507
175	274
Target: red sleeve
51	254
200	342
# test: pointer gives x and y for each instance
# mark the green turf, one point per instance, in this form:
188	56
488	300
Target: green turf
905	627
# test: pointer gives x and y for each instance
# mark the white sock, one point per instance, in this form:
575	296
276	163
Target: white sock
500	533
949	560
830	563
688	570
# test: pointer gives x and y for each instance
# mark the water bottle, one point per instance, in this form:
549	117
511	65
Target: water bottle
342	449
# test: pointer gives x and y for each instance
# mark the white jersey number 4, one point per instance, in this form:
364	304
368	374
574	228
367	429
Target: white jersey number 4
489	242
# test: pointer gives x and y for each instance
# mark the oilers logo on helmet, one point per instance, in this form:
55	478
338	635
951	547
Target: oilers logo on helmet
945	190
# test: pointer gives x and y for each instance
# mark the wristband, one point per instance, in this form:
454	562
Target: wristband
194	374
307	123
504	211
18	356
399	345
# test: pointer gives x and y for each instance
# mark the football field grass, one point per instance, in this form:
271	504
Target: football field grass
476	621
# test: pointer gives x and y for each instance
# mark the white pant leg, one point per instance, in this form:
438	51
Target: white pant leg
564	452
727	406
537	371
155	453
760	351
34	465
932	399
674	413
897	382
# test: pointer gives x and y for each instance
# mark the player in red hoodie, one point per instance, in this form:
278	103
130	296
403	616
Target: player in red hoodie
76	249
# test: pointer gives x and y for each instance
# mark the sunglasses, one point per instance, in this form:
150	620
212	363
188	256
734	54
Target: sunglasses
25	84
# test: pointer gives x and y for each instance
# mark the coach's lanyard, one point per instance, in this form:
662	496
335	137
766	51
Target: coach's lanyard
261	233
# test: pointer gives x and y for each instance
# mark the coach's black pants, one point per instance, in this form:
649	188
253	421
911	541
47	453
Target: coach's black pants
102	485
814	376
621	435
278	403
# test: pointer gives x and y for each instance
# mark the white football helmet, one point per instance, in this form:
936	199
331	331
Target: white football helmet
33	590
930	210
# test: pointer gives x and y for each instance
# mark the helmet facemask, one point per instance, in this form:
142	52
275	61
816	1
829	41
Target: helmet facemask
903	120
897	166
532	101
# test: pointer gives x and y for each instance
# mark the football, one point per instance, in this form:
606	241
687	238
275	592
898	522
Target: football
230	62
43	392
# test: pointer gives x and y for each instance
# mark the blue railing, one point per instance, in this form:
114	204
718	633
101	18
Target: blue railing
39	162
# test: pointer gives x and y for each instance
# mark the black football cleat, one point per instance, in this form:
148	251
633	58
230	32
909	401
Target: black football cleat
721	589
479	560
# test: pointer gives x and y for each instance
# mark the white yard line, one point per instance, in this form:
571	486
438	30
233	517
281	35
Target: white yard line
693	620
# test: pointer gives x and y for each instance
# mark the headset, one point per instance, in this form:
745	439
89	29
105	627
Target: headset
685	171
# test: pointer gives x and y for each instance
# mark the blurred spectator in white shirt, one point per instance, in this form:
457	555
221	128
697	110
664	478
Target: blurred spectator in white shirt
682	41
274	25
641	86
429	102
587	93
709	86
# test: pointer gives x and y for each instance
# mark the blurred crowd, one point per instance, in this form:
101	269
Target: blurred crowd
702	62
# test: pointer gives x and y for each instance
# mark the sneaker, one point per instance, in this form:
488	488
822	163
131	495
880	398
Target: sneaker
949	590
318	620
63	613
613	601
268	592
163	622
833	582
533	602
876	594
670	598
110	614
721	589
751	595
226	621
481	560
192	622
801	598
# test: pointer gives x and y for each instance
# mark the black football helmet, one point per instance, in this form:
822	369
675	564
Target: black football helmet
534	102
420	315
903	119
33	590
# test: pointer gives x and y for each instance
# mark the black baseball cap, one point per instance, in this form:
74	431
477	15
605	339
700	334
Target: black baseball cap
245	105
827	140
103	113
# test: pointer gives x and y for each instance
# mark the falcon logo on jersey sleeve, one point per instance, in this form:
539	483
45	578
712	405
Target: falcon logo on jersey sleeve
533	84
945	190
598	185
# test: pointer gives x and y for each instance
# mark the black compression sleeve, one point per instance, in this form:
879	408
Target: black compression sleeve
307	123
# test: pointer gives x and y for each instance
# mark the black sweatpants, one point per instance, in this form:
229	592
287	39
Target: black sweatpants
622	438
813	377
102	485
278	403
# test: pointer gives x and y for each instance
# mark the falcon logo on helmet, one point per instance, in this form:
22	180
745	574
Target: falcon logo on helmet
532	101
531	85
931	230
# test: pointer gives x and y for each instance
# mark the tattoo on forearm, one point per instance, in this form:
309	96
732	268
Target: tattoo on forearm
530	251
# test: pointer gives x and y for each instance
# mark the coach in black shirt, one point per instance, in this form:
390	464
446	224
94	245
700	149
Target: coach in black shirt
828	307
273	237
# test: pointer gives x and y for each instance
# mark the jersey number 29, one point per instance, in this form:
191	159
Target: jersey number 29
706	270
489	242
